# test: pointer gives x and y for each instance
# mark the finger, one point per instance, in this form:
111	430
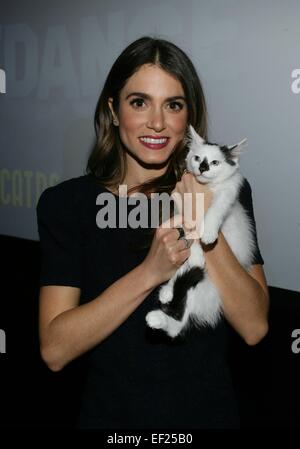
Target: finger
183	256
188	179
179	257
193	235
182	245
175	247
172	222
176	196
172	240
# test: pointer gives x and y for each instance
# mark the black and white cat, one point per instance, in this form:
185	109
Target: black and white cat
189	297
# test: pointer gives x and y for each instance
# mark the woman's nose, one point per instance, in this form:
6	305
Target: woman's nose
156	120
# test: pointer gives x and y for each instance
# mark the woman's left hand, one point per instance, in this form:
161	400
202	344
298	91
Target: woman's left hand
187	205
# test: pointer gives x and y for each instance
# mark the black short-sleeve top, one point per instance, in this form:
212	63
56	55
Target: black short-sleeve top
137	377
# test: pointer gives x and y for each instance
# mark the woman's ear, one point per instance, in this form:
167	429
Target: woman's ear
110	104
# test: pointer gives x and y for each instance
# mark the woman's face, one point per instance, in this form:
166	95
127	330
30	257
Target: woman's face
152	114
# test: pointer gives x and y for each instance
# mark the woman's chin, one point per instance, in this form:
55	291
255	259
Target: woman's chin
158	160
150	158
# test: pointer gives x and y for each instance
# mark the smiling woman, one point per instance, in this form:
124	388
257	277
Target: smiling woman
150	118
146	96
97	285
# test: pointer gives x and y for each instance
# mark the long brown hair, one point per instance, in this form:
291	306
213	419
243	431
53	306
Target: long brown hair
107	159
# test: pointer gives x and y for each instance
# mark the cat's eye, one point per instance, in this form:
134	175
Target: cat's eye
197	158
215	163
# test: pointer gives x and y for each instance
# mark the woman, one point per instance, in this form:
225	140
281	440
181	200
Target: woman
96	290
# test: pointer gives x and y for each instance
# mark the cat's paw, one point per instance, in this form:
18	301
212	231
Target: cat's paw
209	236
165	294
156	319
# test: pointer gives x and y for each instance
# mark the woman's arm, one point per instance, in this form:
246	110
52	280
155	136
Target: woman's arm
68	329
244	295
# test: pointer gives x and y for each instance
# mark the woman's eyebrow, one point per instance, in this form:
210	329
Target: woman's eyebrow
148	97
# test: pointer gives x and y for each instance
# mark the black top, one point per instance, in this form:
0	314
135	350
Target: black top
137	377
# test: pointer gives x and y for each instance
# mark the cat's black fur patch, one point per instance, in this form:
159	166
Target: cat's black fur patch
211	143
204	166
226	152
182	284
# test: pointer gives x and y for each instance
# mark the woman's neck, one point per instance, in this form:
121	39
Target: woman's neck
137	174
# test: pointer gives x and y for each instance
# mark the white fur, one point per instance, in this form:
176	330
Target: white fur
204	305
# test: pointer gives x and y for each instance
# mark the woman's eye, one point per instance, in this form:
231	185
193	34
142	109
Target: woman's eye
176	106
215	162
137	102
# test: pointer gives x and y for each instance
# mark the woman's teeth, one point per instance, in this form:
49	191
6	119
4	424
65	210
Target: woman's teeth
153	141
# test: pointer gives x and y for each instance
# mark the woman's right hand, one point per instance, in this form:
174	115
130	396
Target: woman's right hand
166	253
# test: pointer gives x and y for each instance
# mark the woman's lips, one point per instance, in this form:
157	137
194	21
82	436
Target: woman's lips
154	143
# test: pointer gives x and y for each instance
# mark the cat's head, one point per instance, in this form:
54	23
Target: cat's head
210	162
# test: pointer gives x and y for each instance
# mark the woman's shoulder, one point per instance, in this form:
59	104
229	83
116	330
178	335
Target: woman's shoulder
74	190
65	195
68	186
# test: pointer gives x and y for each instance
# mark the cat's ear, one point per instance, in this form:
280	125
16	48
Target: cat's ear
237	149
195	135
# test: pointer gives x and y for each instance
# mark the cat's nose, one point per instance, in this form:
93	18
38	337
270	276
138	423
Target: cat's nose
203	166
